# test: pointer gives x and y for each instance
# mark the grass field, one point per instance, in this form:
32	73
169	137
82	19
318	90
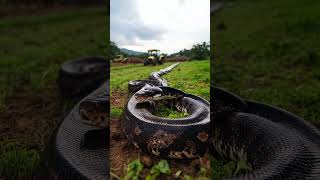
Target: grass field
33	47
191	77
32	50
269	51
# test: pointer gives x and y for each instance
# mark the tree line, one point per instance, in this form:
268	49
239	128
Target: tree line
198	51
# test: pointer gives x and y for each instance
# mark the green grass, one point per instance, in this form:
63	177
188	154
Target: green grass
18	161
116	112
220	168
32	49
274	56
269	51
135	168
163	110
191	77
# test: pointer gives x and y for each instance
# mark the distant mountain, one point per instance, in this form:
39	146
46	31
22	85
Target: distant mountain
131	52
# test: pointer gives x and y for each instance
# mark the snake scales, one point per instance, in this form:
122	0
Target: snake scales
274	146
173	138
275	143
79	147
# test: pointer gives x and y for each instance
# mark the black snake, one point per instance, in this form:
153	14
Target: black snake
79	147
273	145
276	144
173	138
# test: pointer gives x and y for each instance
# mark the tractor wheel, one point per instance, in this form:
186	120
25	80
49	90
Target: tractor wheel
145	62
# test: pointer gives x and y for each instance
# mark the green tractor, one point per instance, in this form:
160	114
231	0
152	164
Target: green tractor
154	57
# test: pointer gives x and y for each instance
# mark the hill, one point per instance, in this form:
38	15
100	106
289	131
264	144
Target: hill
131	52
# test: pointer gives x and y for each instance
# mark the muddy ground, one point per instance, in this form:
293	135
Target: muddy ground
30	118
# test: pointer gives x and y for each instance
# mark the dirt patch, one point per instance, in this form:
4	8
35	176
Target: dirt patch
118	99
122	152
29	118
136	60
177	59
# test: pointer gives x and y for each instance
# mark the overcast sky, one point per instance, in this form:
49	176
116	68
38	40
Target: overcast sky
168	25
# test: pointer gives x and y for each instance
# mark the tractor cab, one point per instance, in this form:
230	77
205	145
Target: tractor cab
153	52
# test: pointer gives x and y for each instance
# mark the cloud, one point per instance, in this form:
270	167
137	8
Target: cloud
182	2
126	26
165	25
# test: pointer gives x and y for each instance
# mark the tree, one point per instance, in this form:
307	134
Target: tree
114	50
200	51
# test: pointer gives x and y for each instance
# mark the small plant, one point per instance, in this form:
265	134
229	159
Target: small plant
187	177
116	112
242	167
18	161
161	168
164	110
133	170
201	175
221	168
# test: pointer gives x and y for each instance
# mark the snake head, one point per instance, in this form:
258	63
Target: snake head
148	93
153	93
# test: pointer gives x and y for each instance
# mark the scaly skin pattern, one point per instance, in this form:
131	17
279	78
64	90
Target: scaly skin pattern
170	138
275	144
95	110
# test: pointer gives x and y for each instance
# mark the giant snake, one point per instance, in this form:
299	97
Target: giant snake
79	147
276	144
273	145
174	138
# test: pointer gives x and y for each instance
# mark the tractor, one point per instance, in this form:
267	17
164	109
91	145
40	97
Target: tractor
154	57
120	59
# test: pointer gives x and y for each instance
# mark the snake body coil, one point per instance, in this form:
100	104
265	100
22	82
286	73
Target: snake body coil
172	138
274	143
79	147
